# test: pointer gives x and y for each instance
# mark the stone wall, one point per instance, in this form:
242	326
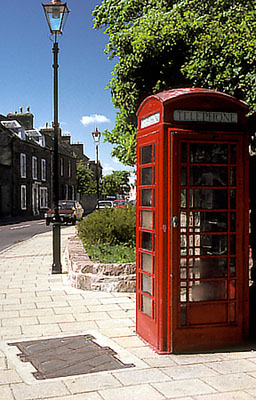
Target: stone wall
87	275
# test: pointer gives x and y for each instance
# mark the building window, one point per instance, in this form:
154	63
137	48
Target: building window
23	197
43	169
69	169
43	197
73	192
23	166
34	167
61	167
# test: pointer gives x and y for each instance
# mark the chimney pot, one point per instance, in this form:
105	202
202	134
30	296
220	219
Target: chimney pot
21	110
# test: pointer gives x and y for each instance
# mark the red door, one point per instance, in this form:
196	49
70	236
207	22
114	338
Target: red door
208	270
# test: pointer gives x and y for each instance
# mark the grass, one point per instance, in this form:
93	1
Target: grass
110	254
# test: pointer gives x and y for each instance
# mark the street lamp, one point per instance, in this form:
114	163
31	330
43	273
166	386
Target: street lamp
56	14
96	137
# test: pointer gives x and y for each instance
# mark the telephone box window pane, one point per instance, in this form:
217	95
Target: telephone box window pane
233	222
183	152
147	220
146	240
146	306
183	176
183	315
232	290
183	198
233	153
232	267
147	197
208	176
233	199
208	198
183	219
183	245
146	178
208	291
147	284
209	153
146	155
232	244
232	312
147	262
200	221
183	292
203	268
233	176
213	245
183	273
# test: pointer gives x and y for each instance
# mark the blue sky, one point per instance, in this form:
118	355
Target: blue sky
26	72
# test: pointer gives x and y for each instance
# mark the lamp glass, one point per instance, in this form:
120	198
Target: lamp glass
56	15
96	136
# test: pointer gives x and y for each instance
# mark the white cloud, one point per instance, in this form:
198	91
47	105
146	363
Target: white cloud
107	169
94	119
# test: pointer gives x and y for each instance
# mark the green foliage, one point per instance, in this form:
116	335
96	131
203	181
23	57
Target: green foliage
116	183
85	181
111	254
109	227
160	44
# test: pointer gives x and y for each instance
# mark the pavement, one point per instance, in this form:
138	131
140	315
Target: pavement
37	305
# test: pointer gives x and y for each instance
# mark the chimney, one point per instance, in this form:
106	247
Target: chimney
26	120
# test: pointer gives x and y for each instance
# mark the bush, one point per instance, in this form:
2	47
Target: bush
111	226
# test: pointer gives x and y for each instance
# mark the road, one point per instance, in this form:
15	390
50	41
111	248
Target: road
14	233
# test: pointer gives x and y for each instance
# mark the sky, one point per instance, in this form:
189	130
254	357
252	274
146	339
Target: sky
84	71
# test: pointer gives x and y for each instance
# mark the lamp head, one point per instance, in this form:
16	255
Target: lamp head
96	136
56	14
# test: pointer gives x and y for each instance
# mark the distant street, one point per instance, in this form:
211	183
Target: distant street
14	233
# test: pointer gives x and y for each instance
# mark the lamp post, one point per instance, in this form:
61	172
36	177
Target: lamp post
96	137
56	14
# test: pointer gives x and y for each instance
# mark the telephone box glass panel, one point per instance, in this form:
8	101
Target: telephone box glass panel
207	229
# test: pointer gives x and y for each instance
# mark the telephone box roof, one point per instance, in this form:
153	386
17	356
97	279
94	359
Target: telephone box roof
169	95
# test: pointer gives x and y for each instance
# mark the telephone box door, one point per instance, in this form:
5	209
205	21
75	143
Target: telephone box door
208	272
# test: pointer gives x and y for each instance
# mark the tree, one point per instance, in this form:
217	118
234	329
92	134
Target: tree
160	44
85	181
116	183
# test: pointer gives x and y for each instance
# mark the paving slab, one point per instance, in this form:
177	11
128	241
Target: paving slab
239	395
133	392
184	387
239	381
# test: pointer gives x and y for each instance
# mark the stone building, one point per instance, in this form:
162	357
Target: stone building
26	160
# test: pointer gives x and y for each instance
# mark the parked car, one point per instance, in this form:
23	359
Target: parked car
119	203
69	211
104	204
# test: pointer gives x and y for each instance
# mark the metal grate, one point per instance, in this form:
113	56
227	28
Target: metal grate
67	356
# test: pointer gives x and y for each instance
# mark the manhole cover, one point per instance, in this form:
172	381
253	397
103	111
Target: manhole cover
67	356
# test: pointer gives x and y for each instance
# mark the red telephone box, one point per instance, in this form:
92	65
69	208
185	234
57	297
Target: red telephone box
192	220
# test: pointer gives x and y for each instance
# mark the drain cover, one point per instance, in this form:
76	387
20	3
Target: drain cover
67	356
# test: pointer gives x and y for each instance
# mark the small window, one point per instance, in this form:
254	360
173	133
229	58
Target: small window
43	169
147	154
43	197
23	165
61	167
23	197
69	169
34	167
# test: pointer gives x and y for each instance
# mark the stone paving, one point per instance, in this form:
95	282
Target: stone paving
35	304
